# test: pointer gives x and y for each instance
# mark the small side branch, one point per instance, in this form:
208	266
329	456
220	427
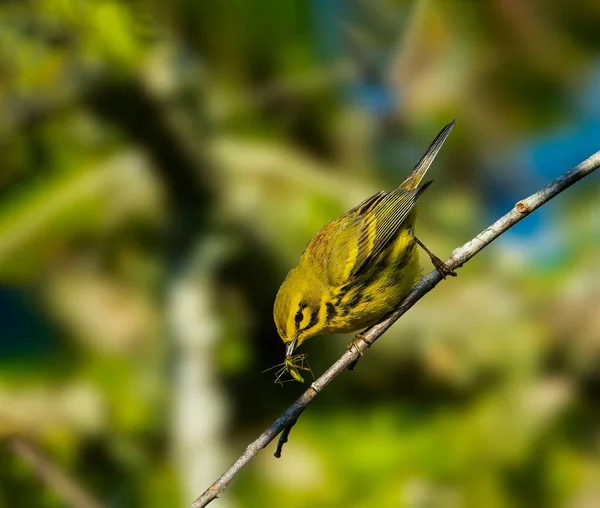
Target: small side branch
459	257
283	438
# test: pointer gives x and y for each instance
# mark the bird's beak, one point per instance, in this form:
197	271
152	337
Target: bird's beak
289	350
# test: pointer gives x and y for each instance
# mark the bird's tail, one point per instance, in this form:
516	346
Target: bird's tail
412	182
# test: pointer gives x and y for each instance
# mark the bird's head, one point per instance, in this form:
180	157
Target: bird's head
300	309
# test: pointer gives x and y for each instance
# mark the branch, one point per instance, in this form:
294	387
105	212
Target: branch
52	474
364	340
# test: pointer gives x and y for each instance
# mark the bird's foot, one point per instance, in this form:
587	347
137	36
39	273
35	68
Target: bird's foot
354	345
443	269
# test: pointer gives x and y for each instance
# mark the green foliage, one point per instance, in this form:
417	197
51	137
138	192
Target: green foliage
132	342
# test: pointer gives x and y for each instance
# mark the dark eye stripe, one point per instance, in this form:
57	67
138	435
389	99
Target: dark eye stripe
331	312
314	318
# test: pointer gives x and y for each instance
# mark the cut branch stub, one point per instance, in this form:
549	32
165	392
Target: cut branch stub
521	206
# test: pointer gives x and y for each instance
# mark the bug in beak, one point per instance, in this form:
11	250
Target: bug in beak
295	363
289	350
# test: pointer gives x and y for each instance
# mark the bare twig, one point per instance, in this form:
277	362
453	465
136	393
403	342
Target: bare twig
364	340
283	437
52	474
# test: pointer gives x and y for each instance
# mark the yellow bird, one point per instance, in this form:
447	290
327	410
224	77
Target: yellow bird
358	267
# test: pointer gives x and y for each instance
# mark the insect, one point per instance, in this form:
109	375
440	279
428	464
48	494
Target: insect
292	364
358	267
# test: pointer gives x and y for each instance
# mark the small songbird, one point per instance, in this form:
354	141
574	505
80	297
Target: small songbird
357	268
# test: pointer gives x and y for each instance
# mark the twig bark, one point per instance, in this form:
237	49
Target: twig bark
364	340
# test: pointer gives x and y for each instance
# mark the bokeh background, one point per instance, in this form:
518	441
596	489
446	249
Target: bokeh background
162	166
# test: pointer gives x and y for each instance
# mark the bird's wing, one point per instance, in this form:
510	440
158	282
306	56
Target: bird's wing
366	230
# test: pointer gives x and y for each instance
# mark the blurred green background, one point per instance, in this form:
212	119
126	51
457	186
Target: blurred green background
162	166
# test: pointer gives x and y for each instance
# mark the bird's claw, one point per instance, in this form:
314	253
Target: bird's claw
354	346
443	269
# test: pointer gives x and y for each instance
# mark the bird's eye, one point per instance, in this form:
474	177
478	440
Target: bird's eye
299	316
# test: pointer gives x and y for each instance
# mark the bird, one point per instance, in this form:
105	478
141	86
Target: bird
357	268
